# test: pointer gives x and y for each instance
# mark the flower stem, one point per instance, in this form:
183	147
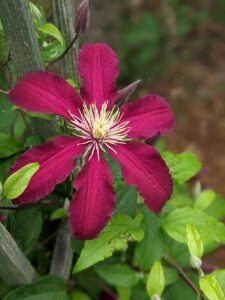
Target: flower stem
66	51
183	275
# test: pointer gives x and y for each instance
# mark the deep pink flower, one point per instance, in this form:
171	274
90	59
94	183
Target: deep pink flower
98	126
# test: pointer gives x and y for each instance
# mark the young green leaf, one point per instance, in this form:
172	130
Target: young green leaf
204	199
79	295
124	293
209	228
211	288
114	237
58	214
182	166
73	83
16	183
119	275
156	280
1	188
53	31
194	242
219	275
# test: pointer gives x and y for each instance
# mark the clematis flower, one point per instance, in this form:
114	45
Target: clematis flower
98	126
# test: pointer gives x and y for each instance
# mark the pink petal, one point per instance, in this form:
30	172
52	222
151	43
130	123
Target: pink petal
56	158
93	201
148	116
45	92
98	66
142	166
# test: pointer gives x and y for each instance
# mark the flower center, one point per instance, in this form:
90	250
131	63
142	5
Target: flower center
100	128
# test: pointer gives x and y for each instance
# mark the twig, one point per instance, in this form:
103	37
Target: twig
183	275
104	288
66	51
26	206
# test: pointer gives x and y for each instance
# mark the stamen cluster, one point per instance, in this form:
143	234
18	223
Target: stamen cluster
100	127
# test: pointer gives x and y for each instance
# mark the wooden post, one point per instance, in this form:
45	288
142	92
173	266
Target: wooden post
64	15
15	269
63	253
24	49
23	46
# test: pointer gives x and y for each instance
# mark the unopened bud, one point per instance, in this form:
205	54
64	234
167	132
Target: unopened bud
2	217
82	17
195	262
155	297
125	93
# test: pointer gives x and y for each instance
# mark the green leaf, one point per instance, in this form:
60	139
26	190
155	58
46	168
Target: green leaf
35	12
16	183
209	229
115	168
73	83
126	198
26	228
150	249
120	275
219	275
58	214
45	288
182	166
156	280
7	115
194	241
204	199
8	145
79	295
52	51
19	128
211	288
32	140
124	293
217	208
53	31
114	237
171	275
1	188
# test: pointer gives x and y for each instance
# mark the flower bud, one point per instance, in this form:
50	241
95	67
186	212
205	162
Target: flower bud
2	217
155	297
82	17
195	262
125	93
